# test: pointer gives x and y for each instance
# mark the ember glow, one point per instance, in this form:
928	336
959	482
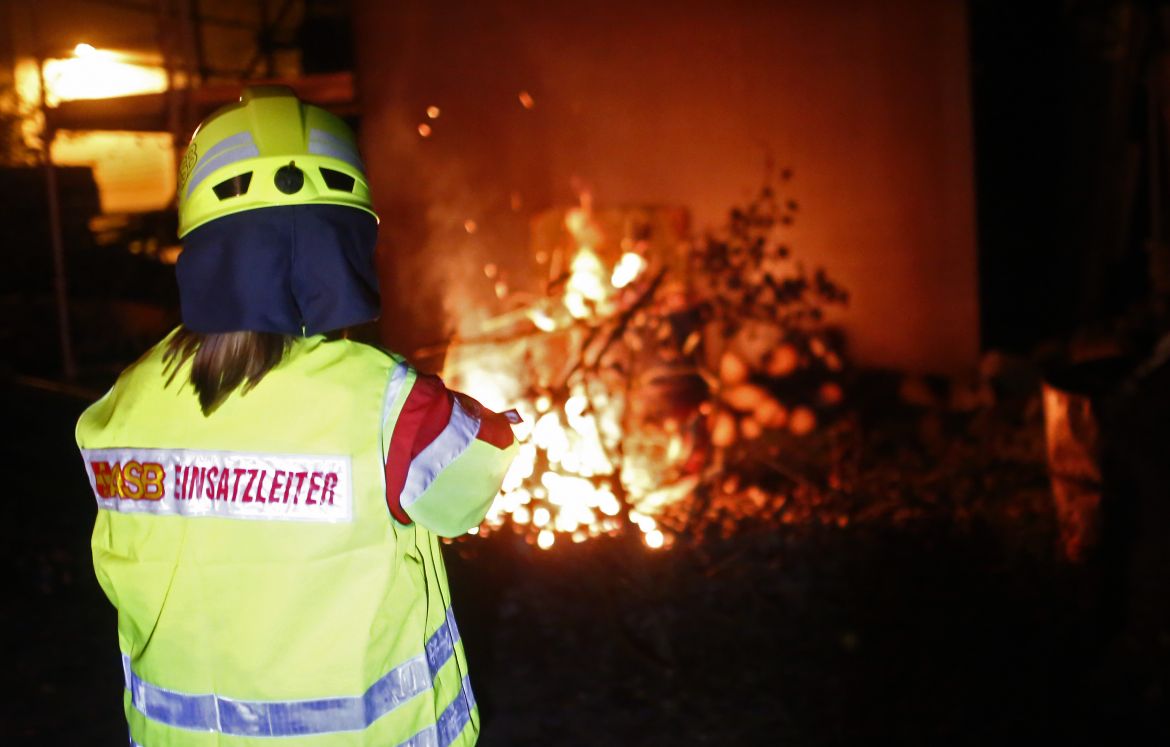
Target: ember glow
562	481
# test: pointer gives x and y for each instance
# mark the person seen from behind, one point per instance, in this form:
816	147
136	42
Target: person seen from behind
270	498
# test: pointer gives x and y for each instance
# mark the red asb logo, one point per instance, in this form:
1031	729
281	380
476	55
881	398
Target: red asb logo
134	480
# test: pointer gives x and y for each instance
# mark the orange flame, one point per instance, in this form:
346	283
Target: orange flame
571	464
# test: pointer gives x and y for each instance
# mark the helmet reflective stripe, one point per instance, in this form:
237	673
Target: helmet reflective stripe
235	148
324	144
215	713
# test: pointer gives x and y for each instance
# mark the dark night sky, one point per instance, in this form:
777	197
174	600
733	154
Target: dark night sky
1061	165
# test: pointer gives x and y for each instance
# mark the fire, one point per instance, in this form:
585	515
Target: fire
589	291
627	270
661	378
561	479
577	473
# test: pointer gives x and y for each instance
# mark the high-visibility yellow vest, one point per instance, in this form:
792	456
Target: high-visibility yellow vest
265	595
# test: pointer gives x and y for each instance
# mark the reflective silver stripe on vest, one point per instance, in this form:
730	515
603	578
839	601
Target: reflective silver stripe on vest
215	713
393	390
324	143
452	721
451	442
227	151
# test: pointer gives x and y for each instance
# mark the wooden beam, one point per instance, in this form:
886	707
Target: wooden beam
149	8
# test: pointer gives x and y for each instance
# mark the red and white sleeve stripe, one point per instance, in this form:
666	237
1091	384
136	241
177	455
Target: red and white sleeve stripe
434	427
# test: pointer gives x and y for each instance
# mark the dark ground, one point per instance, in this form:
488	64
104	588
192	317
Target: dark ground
924	632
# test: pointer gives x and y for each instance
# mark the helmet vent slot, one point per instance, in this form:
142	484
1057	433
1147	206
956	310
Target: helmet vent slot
337	180
233	187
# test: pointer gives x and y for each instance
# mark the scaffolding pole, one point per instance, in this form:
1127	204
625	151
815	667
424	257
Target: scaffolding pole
53	197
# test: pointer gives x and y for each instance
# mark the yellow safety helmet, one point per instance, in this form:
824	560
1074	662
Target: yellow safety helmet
269	149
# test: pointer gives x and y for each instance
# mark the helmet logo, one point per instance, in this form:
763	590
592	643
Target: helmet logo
190	158
289	179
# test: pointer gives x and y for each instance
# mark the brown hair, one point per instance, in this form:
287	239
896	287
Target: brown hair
223	361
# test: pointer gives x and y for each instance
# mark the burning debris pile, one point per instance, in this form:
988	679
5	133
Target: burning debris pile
656	371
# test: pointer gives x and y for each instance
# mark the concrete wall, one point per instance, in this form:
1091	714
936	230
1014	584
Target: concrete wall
682	103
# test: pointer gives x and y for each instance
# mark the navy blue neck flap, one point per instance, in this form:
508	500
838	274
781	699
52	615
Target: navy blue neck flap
290	269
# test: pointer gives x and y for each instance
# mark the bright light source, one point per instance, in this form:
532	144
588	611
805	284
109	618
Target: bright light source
98	74
628	268
433	112
526	99
424	130
543	321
